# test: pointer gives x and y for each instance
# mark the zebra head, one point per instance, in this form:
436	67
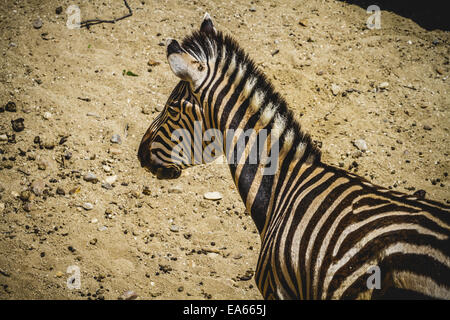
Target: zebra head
174	127
178	123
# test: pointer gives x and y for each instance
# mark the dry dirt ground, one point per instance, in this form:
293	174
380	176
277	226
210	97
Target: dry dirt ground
161	239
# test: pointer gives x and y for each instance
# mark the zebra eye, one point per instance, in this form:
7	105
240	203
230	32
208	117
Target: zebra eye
172	112
200	68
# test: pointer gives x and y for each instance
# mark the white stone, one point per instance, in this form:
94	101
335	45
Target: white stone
360	144
213	195
111	179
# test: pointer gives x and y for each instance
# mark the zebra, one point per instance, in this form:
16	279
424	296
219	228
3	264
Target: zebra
325	233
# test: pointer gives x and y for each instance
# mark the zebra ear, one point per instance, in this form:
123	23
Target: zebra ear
177	60
207	25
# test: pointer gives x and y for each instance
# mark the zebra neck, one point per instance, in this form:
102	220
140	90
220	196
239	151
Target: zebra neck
262	151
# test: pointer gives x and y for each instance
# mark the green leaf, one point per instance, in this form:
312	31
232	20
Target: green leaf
131	74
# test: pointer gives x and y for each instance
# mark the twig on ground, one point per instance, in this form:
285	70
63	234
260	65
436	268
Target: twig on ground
92	22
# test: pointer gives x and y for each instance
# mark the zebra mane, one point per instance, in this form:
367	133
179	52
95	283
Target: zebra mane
218	46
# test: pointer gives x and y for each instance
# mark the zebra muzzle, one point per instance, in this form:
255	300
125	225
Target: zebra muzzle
168	172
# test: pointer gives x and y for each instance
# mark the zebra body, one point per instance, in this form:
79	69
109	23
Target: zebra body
322	229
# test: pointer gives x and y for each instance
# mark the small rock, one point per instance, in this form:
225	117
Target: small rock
47	115
67	155
159	108
74	190
93	241
116	139
3	137
175	189
90	177
106	168
146	191
58	10
11	107
37	24
335	89
38	187
427	127
92	114
361	144
60	191
95	220
25	195
174	228
153	63
212	196
111	179
59	274
383	85
252	9
27	206
107	186
128	295
18	125
42	165
102	228
88	206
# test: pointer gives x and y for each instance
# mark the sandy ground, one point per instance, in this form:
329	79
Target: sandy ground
161	239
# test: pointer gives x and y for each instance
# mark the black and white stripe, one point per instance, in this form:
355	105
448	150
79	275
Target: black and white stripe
321	228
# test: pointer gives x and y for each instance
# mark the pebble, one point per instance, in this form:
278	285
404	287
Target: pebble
59	10
2	207
102	228
146	191
88	206
93	114
37	24
212	195
25	195
27	206
106	186
47	115
427	127
174	228
383	85
252	9
74	190
128	295
159	108
38	187
3	137
90	177
11	106
175	189
153	63
106	168
60	191
95	220
360	144
18	125
111	179
42	165
116	139
335	89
